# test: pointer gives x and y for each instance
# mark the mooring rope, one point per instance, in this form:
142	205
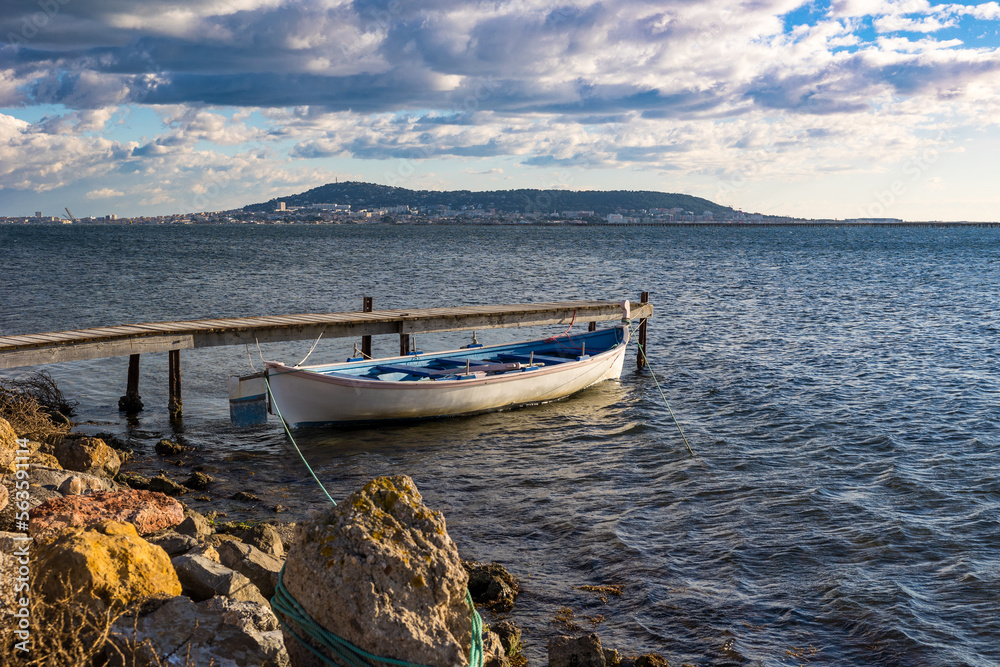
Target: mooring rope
351	656
287	607
309	354
660	389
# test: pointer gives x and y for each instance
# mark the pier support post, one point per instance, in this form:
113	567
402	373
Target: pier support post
366	341
174	405
640	358
404	344
131	403
592	326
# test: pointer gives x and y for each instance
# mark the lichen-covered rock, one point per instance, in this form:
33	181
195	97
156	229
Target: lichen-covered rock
169	448
252	563
43	459
147	510
198	481
203	578
90	455
109	560
381	572
492	585
510	636
162	484
219	632
585	651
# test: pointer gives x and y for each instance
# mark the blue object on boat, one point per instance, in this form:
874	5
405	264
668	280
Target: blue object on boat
247	400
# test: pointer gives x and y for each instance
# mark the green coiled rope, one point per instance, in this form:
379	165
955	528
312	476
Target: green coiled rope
346	654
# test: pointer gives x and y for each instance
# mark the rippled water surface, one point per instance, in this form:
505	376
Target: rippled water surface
839	388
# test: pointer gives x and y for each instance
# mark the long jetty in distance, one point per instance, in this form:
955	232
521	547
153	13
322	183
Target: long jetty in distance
133	340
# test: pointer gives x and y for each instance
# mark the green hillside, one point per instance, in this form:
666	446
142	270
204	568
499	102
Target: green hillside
601	202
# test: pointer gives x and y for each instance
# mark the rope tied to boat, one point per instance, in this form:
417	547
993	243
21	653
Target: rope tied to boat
288	610
311	349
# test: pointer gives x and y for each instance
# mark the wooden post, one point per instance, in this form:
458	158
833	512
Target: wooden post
174	405
640	357
404	344
366	341
130	403
592	326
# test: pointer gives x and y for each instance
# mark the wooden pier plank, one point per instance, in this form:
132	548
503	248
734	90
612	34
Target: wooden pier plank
141	338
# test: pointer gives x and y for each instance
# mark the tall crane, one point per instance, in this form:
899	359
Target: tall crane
70	214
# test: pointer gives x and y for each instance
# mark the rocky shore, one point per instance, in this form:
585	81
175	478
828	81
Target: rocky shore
121	565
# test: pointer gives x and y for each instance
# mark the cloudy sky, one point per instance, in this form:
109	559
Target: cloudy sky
842	108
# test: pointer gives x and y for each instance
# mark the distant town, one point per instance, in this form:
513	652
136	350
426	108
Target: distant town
361	203
338	214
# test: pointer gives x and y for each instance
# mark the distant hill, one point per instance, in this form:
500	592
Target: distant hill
601	202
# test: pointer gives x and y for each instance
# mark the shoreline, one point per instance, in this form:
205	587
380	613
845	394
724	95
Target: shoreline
199	534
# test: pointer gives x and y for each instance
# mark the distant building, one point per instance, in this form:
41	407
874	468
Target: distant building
281	206
38	214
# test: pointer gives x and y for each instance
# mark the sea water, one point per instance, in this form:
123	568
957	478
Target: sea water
838	386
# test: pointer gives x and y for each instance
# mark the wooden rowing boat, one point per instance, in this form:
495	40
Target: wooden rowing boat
469	380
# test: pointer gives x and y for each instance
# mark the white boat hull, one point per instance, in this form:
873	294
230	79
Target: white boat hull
304	397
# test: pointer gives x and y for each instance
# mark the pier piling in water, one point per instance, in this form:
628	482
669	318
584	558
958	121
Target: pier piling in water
175	407
640	355
131	403
366	341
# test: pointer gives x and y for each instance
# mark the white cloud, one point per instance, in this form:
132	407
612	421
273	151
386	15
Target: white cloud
896	23
104	193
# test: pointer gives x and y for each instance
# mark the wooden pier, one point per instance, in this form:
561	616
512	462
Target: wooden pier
133	340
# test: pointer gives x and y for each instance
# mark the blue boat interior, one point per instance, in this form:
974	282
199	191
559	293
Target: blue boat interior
481	361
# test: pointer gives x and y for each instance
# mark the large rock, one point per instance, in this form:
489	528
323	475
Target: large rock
203	578
585	651
219	632
147	510
381	572
252	563
87	455
108	560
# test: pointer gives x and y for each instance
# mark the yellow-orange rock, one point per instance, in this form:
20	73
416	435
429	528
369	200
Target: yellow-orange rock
91	455
8	446
108	560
